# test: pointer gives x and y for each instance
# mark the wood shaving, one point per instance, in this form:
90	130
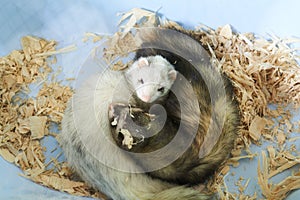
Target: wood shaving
256	127
37	126
59	51
294	139
128	139
234	160
95	37
281	138
241	186
119	65
7	155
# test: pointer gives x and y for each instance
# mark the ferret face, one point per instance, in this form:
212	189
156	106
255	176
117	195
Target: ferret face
151	78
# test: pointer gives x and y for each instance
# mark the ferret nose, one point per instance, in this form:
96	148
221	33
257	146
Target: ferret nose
145	98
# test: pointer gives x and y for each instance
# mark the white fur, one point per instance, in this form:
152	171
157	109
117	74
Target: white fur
156	72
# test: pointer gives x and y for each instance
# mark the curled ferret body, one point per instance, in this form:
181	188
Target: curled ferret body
215	113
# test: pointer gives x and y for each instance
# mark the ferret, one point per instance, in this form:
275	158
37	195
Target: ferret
91	151
212	122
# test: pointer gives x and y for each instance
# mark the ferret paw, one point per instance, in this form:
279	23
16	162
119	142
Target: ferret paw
115	109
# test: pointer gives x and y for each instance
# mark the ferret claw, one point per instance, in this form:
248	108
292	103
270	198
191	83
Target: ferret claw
114	122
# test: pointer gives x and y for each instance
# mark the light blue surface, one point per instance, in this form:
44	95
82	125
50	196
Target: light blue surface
67	20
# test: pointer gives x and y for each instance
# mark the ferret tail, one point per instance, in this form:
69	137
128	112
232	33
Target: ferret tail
181	193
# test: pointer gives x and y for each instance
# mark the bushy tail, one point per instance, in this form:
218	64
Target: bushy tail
181	193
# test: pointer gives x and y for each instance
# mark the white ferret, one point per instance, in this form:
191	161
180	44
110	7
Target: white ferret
86	136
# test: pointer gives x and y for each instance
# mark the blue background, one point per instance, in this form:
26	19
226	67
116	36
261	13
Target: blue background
67	20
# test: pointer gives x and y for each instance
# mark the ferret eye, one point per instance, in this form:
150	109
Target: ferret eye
161	89
141	81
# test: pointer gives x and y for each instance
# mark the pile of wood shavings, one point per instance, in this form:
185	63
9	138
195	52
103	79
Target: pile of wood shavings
25	121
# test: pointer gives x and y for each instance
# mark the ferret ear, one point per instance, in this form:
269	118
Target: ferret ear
172	74
143	62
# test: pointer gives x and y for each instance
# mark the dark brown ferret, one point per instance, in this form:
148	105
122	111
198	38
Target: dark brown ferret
201	111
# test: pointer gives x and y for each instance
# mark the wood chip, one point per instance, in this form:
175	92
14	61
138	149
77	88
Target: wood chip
128	139
281	138
7	155
226	32
256	127
95	37
37	126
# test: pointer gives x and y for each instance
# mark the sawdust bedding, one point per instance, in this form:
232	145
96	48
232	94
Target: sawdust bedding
263	72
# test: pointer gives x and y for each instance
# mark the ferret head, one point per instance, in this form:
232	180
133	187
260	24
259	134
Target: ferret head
151	78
